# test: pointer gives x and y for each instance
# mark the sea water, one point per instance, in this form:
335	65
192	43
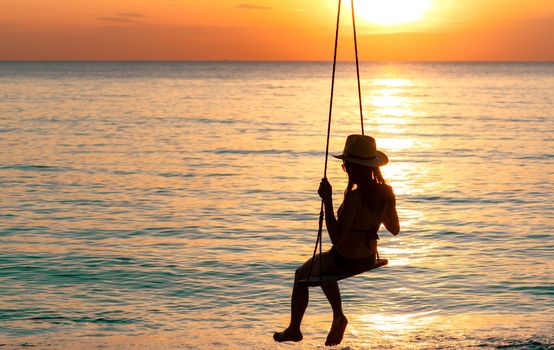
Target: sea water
167	204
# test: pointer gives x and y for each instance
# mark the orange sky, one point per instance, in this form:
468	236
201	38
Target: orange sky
505	30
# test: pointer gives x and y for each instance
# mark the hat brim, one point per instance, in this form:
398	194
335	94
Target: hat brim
380	159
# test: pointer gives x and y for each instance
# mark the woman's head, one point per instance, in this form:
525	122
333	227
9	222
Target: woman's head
363	175
369	182
361	161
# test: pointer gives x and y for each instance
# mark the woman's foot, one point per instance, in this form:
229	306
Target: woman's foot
337	331
288	335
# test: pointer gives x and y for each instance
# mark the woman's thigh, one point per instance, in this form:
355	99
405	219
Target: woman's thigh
323	265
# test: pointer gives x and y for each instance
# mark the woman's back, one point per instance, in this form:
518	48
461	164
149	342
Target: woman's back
360	216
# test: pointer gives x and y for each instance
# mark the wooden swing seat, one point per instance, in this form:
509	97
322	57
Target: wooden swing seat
317	281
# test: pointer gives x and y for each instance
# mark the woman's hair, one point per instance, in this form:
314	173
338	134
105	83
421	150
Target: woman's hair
371	184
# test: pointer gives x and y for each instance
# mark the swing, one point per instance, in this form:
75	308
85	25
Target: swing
316	281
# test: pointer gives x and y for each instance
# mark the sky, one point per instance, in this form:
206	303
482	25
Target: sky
437	30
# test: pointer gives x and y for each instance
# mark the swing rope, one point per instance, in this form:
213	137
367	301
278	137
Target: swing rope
357	67
318	242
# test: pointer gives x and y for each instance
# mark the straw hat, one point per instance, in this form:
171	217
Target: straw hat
361	149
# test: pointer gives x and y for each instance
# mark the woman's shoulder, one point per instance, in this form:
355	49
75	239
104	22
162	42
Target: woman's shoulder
388	195
387	189
382	188
383	192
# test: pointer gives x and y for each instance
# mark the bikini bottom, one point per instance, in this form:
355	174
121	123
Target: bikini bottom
348	265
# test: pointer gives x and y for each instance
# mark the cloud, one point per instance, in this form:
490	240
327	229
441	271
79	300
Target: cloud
130	14
252	7
122	17
117	19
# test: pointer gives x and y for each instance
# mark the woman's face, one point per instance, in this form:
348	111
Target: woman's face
348	168
355	172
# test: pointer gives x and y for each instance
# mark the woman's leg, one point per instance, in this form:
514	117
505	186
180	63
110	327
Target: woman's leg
332	292
300	295
298	305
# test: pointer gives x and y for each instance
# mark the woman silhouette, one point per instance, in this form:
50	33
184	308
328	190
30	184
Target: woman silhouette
368	202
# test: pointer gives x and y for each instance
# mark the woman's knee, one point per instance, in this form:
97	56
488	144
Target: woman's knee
299	273
303	270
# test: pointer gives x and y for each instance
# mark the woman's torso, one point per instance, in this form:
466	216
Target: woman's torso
361	239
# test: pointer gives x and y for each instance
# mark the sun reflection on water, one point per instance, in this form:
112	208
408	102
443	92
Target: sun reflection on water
403	255
388	100
395	324
396	144
392	82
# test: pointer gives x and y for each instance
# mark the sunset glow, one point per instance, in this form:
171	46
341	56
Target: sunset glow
284	30
391	12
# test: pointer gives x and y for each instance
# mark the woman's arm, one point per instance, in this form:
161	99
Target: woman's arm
390	219
336	228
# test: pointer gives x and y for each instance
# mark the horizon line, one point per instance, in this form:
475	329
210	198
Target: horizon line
263	61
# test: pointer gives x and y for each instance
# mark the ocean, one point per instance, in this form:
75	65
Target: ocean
166	205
